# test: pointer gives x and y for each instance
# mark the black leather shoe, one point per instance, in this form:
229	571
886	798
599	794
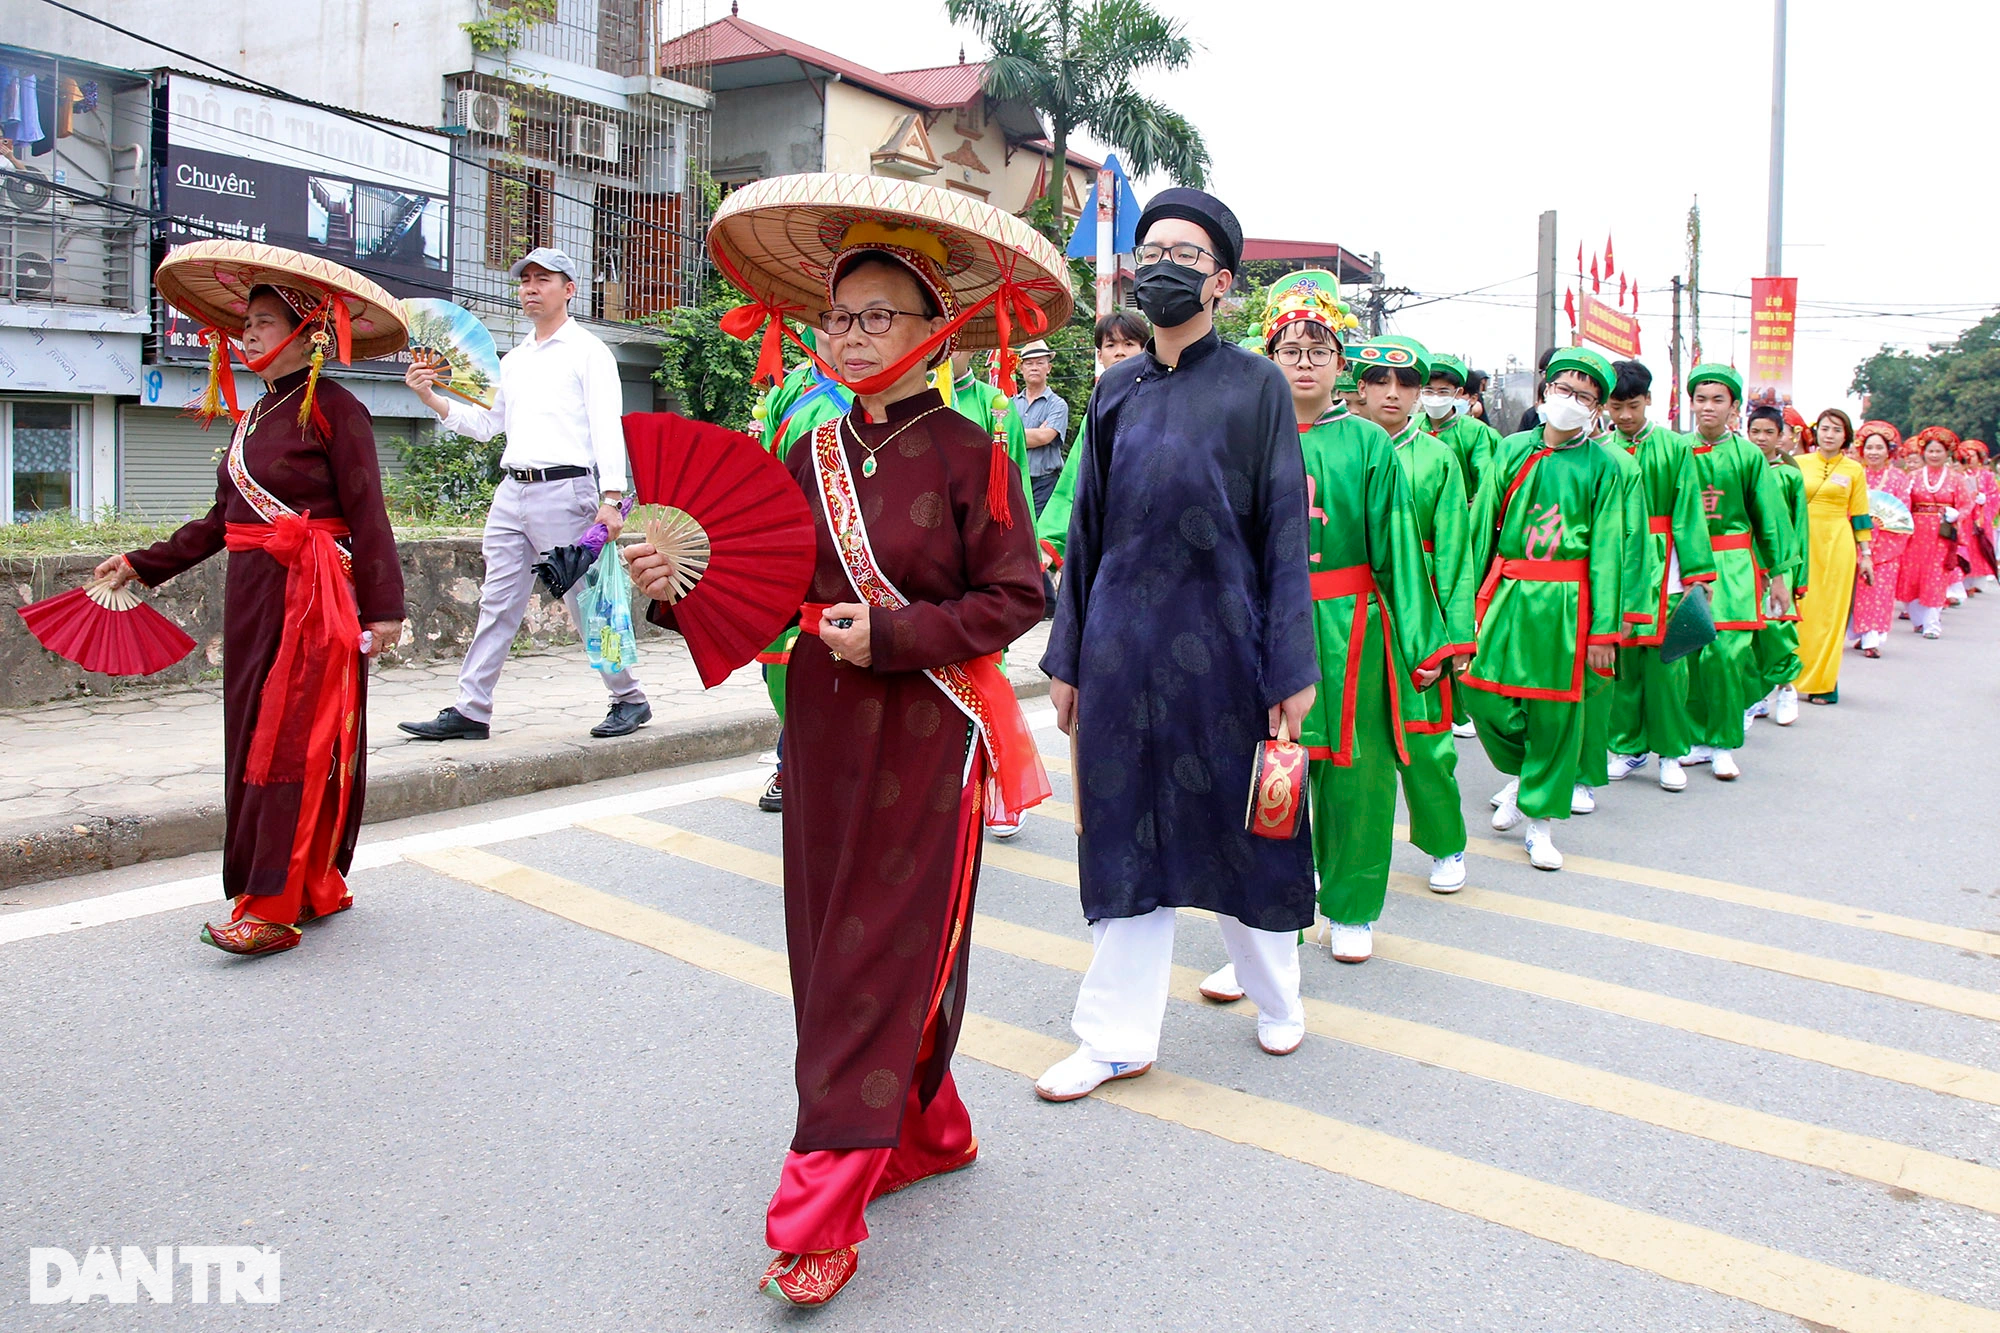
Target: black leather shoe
448	725
623	720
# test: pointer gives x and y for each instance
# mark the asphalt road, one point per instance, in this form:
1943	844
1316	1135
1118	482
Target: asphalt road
1738	1068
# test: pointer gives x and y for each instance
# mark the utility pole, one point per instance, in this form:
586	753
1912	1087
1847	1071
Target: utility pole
1674	358
1377	297
1774	230
1545	284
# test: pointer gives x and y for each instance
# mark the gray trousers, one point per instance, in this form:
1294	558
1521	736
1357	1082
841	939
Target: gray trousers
526	519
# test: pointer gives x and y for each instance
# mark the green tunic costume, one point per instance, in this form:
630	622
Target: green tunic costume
1376	623
1776	646
1052	524
1471	442
1637	578
982	404
791	410
1749	530
1430	775
1649	711
1548	529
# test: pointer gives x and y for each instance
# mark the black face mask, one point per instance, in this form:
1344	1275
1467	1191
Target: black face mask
1169	294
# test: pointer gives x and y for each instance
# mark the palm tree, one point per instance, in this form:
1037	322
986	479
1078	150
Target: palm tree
1073	61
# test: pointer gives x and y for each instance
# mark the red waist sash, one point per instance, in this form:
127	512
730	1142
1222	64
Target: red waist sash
1732	541
1358	582
1660	523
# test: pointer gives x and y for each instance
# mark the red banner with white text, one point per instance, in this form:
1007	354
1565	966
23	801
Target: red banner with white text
1613	330
1773	304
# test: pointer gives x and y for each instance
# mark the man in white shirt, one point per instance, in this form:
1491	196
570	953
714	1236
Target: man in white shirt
559	402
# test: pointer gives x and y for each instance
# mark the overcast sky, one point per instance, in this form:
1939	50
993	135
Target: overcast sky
1454	125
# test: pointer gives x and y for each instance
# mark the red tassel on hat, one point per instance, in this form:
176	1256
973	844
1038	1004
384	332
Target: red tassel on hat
998	465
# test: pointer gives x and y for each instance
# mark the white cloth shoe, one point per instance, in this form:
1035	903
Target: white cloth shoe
1581	802
1464	730
1000	830
1785	708
1280	1038
1623	766
1506	795
1078	1076
1700	754
1506	817
1352	944
1542	853
1448	873
1221	986
1672	776
1723	765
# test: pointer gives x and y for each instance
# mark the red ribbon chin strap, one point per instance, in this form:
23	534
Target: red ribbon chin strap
223	347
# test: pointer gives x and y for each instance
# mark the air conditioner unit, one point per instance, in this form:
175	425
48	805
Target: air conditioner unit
485	113
594	138
29	275
24	189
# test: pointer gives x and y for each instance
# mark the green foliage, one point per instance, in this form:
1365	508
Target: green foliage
1073	61
1957	384
505	25
63	533
446	479
706	369
1242	315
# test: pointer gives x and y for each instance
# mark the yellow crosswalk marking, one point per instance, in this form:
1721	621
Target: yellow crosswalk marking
1860	1057
1810	967
1791	904
1857	1155
1678	1251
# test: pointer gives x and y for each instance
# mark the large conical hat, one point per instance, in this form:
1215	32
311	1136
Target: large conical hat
778	238
210	282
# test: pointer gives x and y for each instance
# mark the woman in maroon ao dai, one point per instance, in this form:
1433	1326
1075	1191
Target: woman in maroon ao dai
886	775
290	498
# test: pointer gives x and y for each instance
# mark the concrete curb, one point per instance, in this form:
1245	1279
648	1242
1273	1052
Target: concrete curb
460	778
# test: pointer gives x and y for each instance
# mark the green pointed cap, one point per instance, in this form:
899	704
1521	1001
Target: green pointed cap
1449	366
1714	372
1395	352
1592	363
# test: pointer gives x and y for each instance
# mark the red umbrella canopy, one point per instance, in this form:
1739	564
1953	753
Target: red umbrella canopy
738	526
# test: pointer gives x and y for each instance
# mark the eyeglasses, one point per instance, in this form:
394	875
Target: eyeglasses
1184	253
1312	356
1564	391
876	320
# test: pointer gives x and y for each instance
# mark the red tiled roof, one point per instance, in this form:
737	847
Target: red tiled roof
944	85
1076	159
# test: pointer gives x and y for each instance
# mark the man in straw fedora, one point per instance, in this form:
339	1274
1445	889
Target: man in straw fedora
559	404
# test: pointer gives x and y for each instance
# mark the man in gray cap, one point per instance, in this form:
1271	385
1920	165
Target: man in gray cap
559	403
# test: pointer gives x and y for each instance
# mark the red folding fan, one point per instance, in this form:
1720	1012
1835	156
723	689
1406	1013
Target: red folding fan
101	628
737	529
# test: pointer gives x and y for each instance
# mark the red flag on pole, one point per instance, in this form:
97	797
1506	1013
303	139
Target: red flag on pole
1579	258
1595	286
1607	255
1621	289
1569	307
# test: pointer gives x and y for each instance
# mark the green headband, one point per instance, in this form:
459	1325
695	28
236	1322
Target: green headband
1714	372
1595	365
1391	351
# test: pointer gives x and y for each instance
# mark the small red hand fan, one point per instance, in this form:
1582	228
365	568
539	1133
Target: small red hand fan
106	629
737	529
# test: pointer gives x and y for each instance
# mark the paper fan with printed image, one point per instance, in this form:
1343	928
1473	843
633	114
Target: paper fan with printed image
737	533
450	340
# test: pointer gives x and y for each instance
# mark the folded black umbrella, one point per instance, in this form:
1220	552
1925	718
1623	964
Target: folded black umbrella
564	567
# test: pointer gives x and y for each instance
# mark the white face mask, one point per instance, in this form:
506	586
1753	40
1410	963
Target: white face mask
1566	413
1437	406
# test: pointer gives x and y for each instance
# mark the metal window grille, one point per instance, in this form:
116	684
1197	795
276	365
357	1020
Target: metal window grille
615	183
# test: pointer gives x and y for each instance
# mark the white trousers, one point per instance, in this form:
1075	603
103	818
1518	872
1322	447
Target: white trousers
1123	999
1923	616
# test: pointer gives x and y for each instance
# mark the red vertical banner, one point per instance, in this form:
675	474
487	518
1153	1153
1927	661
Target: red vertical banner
1773	306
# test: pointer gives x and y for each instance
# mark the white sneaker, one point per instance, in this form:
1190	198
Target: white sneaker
1464	730
1352	944
1785	710
1672	776
1220	985
1542	853
1079	1076
1280	1038
1000	830
1724	766
1581	802
1506	795
1506	817
1623	766
1931	632
1700	754
1448	873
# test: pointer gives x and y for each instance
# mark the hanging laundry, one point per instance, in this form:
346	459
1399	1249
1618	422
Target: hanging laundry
65	105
